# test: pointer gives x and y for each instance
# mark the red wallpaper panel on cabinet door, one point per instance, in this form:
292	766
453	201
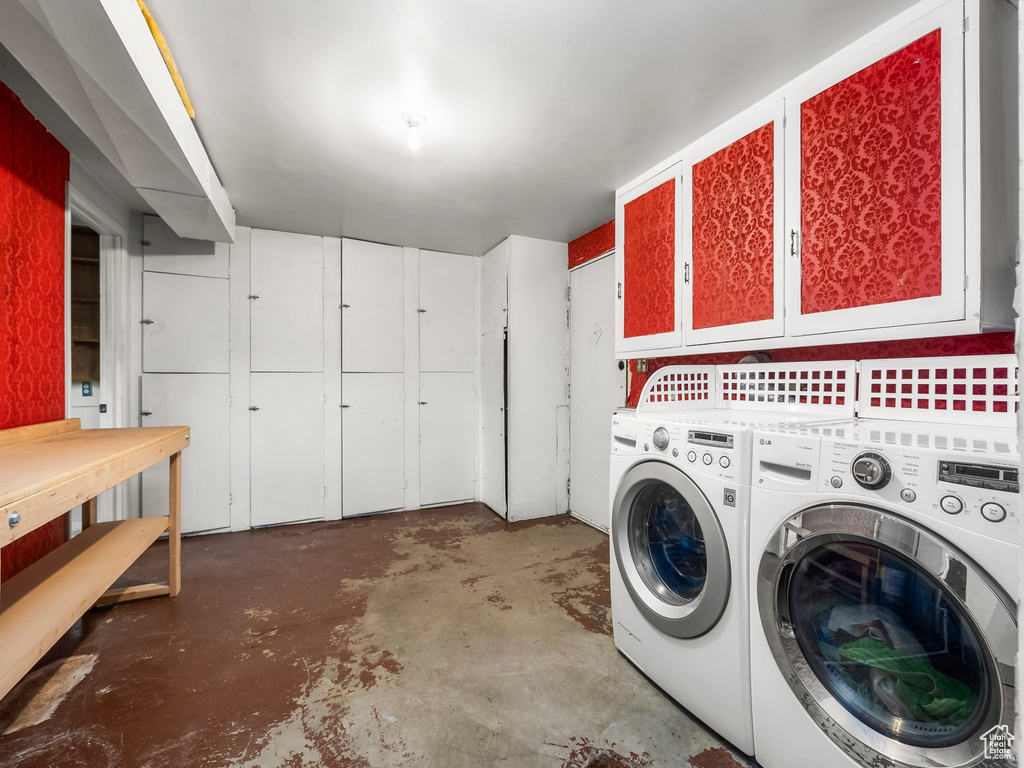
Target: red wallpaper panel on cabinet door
649	259
592	244
733	232
871	184
33	175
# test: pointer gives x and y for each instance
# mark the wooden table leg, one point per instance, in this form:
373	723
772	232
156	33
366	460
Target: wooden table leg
174	528
89	513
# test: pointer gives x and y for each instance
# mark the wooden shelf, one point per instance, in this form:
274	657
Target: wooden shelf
42	602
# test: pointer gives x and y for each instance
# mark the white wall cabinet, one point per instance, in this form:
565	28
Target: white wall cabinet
447	408
373	442
534	376
200	401
287	447
373	307
287	302
164	251
184	324
447	311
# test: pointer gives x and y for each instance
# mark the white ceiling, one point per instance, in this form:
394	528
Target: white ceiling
536	110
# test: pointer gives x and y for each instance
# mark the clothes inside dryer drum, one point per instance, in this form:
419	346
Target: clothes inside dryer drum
667	544
888	643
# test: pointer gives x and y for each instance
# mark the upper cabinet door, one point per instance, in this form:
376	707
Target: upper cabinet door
373	307
286	282
164	251
732	231
875	183
647	270
447	311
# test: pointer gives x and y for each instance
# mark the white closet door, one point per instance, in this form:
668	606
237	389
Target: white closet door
287	447
373	442
448	323
372	299
447	407
199	401
185	324
287	320
492	420
164	251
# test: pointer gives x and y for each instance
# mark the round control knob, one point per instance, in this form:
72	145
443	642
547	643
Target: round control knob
724	462
993	512
837	481
707	458
661	438
872	471
691	456
951	505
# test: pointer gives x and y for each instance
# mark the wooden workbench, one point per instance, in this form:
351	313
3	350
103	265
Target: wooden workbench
46	470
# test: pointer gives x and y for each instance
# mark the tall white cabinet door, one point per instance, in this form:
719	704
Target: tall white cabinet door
373	307
164	251
373	442
447	406
185	324
286	427
493	321
448	325
199	401
286	283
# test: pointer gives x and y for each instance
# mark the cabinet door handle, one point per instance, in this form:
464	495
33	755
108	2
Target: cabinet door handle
344	406
253	296
145	321
792	242
253	408
423	402
620	291
686	272
346	306
422	311
146	413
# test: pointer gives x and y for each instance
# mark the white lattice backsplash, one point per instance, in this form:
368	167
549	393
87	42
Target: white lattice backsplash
827	388
679	388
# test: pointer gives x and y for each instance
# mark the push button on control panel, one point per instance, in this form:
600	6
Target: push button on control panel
993	512
837	482
691	456
724	462
951	505
707	459
908	495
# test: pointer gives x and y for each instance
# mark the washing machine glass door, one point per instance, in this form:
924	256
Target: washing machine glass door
670	550
902	643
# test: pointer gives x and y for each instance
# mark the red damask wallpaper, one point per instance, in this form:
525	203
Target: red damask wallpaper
871	184
33	177
649	249
734	232
592	244
981	344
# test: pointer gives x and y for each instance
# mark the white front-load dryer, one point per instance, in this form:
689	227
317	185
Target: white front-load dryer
884	567
680	487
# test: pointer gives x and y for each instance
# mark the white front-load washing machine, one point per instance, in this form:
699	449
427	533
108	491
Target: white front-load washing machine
680	486
884	566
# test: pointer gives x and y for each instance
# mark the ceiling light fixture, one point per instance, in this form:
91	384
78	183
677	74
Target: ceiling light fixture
414	121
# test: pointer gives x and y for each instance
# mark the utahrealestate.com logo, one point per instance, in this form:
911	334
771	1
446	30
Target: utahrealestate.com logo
998	743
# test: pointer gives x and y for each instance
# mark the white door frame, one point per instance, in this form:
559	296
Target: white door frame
114	332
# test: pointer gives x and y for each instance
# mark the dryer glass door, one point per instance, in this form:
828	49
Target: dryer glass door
887	628
670	549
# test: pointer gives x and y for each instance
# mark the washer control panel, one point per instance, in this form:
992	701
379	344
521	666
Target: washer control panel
982	497
717	454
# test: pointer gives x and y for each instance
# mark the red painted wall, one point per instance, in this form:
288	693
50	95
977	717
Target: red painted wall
982	344
33	179
592	244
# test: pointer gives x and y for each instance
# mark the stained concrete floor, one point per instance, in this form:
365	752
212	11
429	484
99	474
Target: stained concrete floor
441	637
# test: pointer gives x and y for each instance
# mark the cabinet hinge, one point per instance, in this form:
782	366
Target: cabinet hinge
966	280
325	491
568	291
966	23
231	499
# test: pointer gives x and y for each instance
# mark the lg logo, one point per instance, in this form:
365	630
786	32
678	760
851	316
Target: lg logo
764	441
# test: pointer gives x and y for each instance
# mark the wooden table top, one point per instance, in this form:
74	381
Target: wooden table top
34	465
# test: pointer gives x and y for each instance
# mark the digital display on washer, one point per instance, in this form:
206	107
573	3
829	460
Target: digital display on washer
979	476
714	439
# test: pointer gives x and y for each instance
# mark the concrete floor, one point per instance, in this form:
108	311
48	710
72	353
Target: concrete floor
440	638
